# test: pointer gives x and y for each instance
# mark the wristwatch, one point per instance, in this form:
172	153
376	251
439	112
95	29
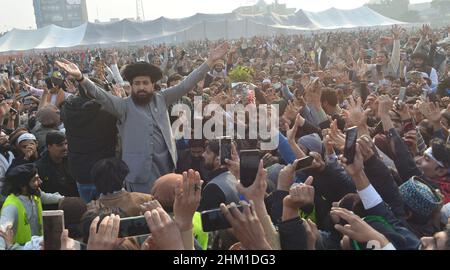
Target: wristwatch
82	79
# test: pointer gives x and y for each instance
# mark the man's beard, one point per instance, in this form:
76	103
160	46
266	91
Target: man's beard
141	100
34	192
209	166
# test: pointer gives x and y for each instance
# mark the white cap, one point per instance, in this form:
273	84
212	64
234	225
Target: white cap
290	62
26	137
267	81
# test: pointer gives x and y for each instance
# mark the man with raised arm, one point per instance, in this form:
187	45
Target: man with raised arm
148	145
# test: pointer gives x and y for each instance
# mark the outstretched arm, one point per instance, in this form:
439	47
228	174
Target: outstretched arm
175	93
111	103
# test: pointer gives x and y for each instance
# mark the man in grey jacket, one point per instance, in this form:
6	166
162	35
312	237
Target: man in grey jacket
148	145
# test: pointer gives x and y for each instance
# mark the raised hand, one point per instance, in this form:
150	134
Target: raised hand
106	238
313	94
425	31
8	235
30	151
187	199
291	133
385	104
70	68
4	108
71	88
286	177
367	147
291	111
357	229
165	233
396	31
356	115
257	191
337	136
357	167
431	111
246	226
67	243
149	206
217	53
300	195
235	163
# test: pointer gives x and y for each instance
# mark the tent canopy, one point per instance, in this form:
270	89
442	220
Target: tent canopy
197	27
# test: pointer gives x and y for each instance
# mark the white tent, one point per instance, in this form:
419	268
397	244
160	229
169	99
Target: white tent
197	27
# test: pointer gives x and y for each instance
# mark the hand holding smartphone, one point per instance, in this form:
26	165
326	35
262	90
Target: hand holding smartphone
350	144
249	164
304	163
133	226
401	98
214	220
224	149
49	83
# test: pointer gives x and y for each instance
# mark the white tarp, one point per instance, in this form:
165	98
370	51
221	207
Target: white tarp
48	37
197	27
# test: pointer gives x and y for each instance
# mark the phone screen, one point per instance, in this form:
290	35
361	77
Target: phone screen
249	164
213	220
304	163
364	90
350	144
53	222
133	226
49	83
225	149
402	94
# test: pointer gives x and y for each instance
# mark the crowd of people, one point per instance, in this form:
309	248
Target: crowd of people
89	132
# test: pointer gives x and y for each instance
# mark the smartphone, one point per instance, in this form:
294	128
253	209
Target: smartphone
214	220
53	222
133	226
401	99
24	93
304	163
13	111
402	94
350	144
224	149
49	83
249	164
379	129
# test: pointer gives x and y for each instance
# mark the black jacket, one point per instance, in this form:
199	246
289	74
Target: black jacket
330	185
55	180
213	195
91	135
407	240
293	235
383	182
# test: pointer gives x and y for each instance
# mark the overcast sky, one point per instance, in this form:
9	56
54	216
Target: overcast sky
20	14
